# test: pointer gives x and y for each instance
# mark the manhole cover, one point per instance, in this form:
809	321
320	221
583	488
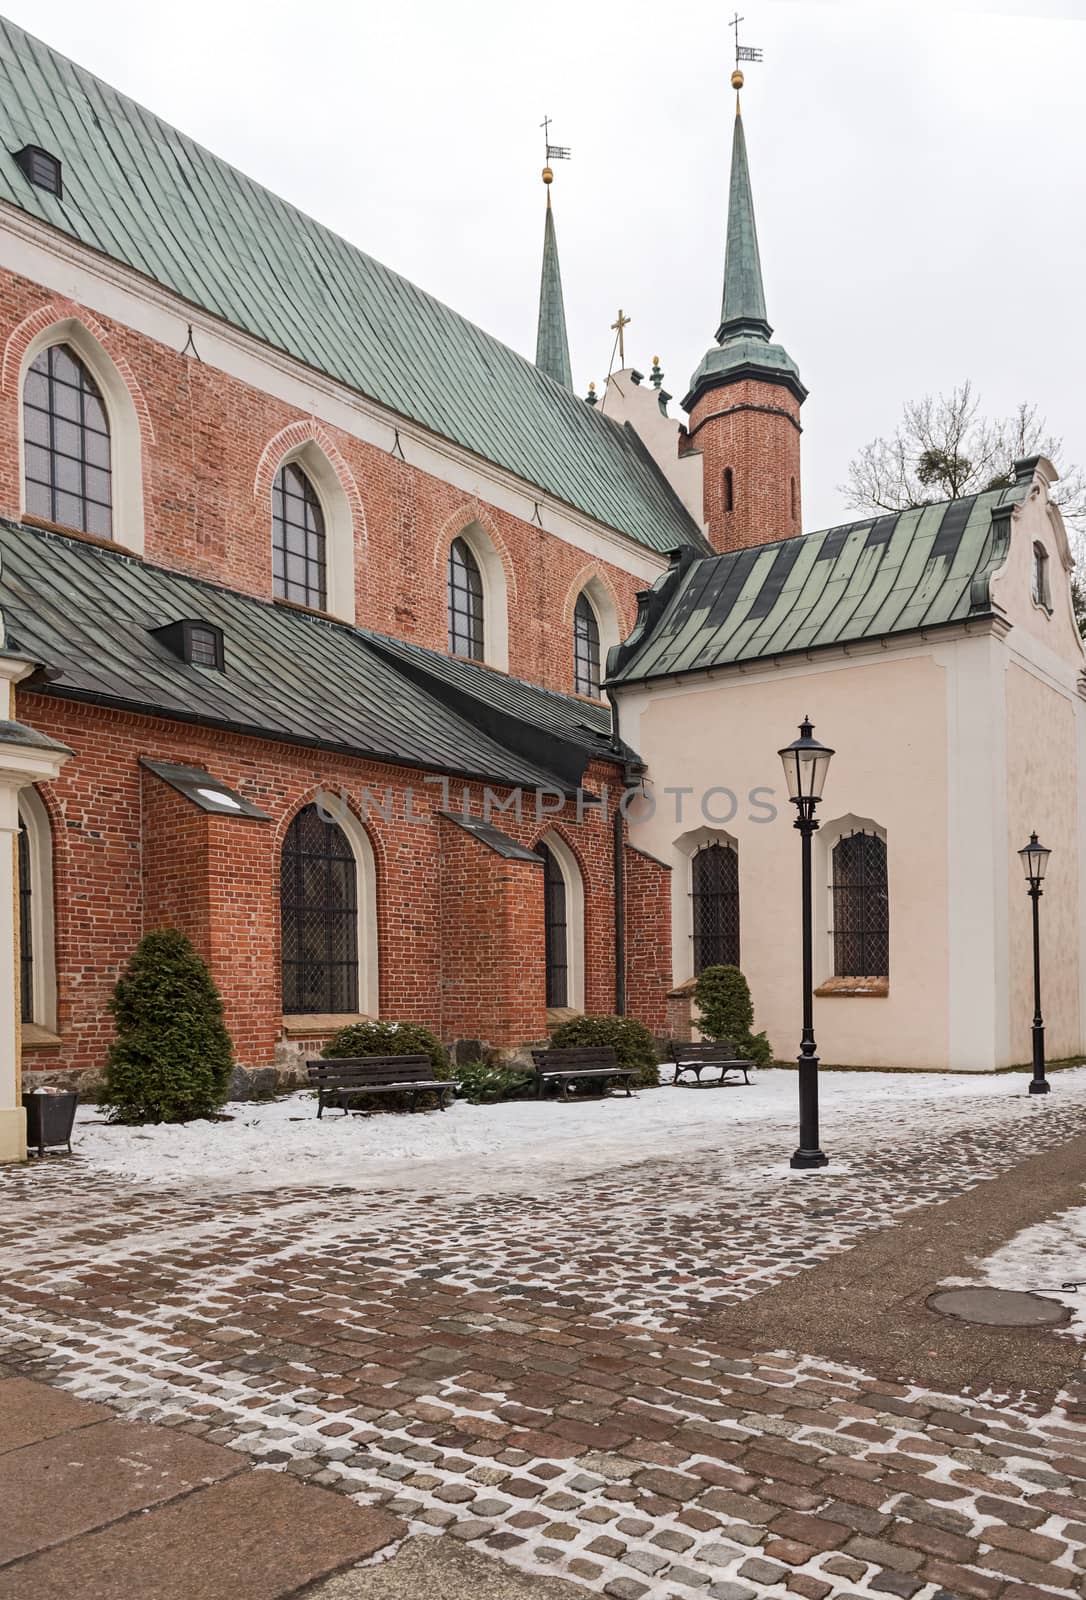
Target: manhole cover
999	1308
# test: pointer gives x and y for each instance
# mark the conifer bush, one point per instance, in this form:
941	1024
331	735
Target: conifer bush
633	1044
390	1039
722	996
172	1058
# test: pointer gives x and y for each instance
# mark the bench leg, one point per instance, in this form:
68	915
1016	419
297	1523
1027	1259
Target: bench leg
320	1104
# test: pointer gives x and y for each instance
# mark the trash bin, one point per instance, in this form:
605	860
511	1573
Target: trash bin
50	1116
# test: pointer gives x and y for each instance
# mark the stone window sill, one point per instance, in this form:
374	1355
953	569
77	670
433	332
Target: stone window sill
35	1037
854	989
321	1022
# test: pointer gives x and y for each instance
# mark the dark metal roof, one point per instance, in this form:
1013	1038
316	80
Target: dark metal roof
492	837
885	576
143	194
87	613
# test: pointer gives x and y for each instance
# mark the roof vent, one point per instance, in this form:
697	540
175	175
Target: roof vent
42	168
195	641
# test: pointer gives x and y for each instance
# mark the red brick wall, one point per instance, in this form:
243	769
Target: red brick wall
211	448
129	853
751	428
648	938
492	943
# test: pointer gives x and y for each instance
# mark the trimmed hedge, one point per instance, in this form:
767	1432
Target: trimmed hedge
172	1058
390	1039
631	1041
722	996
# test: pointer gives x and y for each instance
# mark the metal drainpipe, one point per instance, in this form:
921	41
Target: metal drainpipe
619	868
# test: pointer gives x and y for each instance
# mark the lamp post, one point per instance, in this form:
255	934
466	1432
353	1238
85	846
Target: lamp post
1034	858
806	763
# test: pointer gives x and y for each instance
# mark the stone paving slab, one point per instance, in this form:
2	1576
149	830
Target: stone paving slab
30	1412
257	1536
79	1480
442	1569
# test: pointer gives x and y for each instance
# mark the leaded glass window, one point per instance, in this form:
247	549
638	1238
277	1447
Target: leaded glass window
465	602
861	914
66	444
556	928
299	555
26	929
586	648
715	906
319	911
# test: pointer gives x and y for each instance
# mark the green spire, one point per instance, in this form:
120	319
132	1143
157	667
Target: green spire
743	346
551	345
743	307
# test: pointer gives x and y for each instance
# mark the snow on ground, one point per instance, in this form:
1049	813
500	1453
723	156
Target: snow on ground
1047	1259
281	1143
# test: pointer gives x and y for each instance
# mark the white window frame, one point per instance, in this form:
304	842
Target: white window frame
39	838
495	593
125	434
570	869
367	942
339	532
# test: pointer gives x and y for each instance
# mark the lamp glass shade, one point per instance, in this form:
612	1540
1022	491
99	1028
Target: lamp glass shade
1034	858
806	764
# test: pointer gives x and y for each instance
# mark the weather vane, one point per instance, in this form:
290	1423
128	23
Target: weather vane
555	152
743	52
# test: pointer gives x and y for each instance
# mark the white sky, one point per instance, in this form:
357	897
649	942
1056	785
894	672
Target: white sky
918	173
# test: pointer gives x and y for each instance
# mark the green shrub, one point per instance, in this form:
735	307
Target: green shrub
172	1058
484	1085
722	996
390	1039
631	1041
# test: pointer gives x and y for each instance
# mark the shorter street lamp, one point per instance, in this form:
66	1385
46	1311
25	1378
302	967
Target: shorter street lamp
806	763
1034	858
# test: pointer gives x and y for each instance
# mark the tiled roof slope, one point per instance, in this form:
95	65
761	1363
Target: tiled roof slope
145	195
87	612
867	580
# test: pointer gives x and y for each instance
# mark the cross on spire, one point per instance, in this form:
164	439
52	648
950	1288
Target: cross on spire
743	52
619	328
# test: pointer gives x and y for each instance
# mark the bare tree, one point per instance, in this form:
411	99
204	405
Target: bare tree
944	447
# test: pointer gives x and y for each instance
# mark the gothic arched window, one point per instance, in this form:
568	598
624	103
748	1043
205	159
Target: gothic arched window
318	900
26	928
465	602
861	909
586	648
66	444
299	556
556	928
714	882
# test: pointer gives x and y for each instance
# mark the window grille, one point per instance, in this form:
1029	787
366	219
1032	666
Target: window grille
465	603
319	911
66	444
299	560
26	929
556	928
1041	592
586	648
715	906
861	915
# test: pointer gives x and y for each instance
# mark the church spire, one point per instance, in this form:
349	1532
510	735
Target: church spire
743	306
552	345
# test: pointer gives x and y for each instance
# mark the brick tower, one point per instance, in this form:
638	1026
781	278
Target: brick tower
745	396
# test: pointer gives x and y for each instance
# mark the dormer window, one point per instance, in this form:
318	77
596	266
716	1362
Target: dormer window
198	643
41	168
1041	595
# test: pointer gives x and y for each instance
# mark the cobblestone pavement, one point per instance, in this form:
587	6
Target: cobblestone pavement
536	1372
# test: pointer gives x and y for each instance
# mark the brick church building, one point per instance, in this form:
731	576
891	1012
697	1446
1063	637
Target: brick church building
309	587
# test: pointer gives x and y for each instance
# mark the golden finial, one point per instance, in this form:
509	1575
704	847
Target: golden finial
737	79
548	175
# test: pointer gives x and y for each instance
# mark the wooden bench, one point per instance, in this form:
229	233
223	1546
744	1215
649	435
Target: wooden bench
573	1066
340	1080
718	1053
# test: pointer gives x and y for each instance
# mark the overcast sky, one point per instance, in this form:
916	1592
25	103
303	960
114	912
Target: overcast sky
918	173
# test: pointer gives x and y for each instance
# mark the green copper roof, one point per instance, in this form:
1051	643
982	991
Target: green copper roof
143	194
551	345
744	296
875	579
743	347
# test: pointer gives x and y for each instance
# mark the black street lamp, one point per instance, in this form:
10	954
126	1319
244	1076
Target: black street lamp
806	763
1034	858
